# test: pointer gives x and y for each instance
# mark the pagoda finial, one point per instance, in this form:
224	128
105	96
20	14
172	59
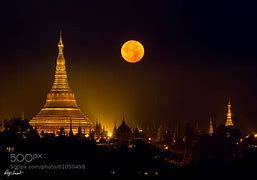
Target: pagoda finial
60	44
123	120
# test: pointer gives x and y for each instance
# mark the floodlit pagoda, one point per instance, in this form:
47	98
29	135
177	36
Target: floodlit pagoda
210	128
61	109
229	121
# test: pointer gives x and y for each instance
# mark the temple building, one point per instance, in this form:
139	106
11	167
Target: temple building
124	133
229	121
60	109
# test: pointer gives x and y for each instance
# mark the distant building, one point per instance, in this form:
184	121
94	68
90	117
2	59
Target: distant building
229	121
124	133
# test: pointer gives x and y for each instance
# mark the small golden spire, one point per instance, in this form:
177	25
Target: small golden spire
60	44
229	121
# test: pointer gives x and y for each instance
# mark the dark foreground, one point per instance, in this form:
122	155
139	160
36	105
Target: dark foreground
55	159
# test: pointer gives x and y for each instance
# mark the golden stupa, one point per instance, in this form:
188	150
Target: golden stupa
229	121
61	109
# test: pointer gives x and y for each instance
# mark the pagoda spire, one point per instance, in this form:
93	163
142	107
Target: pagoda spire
61	81
211	127
70	132
229	121
115	126
123	120
60	44
60	64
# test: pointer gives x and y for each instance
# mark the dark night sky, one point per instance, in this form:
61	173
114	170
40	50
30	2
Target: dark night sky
197	55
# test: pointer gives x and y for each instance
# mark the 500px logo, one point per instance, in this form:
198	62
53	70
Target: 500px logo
25	157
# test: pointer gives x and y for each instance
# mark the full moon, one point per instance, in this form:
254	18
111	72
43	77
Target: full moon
132	51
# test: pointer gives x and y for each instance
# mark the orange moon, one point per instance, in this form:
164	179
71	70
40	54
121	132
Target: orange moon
132	51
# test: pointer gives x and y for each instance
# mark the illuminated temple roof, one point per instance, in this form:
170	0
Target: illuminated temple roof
60	109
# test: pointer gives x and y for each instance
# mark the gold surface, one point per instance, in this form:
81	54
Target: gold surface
229	121
60	109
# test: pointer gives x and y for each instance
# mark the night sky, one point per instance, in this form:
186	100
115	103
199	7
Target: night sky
198	54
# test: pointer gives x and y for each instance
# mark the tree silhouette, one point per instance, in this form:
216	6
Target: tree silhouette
18	128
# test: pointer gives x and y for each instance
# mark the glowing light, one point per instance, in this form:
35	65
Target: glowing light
109	135
140	130
165	146
112	172
132	51
149	139
60	109
255	135
229	121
